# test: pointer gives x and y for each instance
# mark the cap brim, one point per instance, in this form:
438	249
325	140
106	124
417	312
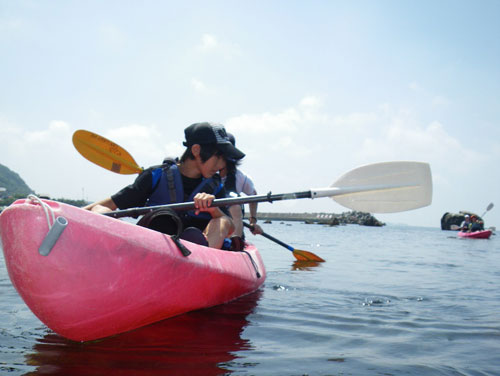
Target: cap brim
230	152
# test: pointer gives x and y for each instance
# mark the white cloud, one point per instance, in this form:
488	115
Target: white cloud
208	42
9	26
39	157
300	154
414	86
283	122
56	131
49	164
199	86
146	144
435	99
112	35
290	138
356	121
290	120
440	100
311	108
311	102
405	138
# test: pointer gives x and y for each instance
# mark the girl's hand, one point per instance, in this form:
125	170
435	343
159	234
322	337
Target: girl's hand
203	202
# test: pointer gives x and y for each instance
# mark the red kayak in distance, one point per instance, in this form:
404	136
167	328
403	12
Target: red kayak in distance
89	276
485	234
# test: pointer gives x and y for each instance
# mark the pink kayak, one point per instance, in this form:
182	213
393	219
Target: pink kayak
92	276
485	234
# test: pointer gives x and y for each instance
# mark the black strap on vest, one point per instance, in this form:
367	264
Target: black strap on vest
214	186
171	185
167	163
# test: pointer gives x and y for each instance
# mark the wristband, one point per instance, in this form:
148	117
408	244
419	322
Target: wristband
255	219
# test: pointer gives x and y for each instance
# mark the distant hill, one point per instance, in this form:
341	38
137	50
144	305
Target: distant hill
12	183
12	187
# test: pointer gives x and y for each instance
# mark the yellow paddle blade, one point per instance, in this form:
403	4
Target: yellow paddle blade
306	256
104	153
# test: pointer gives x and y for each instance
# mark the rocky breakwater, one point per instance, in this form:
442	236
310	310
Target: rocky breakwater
359	218
329	219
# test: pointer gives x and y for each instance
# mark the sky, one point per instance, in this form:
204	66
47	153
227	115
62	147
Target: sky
310	89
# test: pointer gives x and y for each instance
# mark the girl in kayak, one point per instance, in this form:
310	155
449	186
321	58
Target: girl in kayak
237	182
192	178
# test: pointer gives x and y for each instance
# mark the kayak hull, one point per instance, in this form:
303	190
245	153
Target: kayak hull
485	234
105	276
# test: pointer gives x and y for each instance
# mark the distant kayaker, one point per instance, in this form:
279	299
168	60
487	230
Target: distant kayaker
465	226
192	178
476	224
237	182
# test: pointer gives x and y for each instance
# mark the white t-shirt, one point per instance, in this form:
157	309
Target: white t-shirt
244	183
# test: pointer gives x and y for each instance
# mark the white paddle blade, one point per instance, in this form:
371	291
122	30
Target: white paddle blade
388	187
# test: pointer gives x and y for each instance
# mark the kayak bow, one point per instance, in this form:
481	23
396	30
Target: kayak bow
101	276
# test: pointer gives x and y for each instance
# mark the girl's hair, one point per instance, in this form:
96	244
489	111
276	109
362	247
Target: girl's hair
206	152
232	165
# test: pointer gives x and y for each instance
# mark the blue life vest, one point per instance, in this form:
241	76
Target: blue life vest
168	188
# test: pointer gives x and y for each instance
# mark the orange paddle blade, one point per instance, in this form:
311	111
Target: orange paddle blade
306	256
104	153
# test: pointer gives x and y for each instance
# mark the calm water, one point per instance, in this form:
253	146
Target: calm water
395	300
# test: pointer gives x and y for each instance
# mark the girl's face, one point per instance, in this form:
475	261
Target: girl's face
210	167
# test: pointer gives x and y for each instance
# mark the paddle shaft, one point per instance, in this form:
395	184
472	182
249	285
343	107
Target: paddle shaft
313	193
270	237
134	212
490	206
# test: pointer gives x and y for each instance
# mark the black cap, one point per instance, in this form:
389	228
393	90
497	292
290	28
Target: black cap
212	133
231	138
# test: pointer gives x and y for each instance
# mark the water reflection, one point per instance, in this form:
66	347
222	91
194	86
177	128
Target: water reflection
305	265
196	343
